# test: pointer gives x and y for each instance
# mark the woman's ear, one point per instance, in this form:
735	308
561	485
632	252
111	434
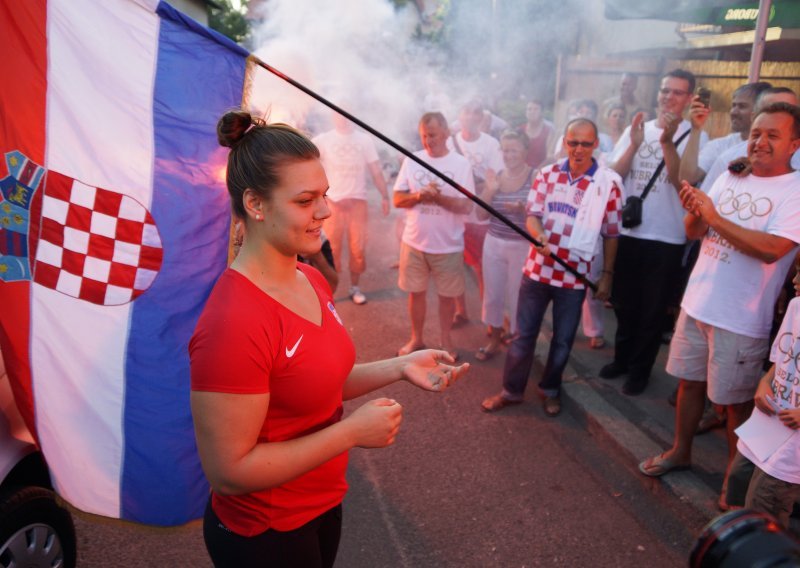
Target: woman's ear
253	205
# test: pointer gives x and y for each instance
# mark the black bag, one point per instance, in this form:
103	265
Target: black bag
632	210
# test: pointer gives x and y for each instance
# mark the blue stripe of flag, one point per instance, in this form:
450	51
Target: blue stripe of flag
199	75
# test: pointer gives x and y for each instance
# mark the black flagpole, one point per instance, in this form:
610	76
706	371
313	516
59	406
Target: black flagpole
425	165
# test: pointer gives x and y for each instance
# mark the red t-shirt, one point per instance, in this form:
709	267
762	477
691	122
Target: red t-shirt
247	343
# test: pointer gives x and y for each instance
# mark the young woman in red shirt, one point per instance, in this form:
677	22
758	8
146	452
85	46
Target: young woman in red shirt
272	362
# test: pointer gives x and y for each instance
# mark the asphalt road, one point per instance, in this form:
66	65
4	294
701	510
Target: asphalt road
460	487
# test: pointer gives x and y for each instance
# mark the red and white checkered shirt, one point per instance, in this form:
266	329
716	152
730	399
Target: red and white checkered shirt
555	199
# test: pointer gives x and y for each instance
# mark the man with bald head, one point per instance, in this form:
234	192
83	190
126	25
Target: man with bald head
573	211
433	238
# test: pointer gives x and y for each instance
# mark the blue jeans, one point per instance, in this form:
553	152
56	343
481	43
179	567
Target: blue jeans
534	298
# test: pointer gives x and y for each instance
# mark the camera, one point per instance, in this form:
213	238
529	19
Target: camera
704	96
745	538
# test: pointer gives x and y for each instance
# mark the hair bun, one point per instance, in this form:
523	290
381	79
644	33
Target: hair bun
232	127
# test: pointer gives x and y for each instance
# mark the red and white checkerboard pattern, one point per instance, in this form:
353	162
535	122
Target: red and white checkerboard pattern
555	200
95	244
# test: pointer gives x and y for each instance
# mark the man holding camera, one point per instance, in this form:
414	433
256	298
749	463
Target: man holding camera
696	164
649	255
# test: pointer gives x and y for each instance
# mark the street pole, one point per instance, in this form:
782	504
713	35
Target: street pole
757	55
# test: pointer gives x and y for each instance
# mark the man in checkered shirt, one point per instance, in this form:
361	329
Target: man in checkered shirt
561	193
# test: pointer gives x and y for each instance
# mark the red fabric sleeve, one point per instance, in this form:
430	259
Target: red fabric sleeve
235	342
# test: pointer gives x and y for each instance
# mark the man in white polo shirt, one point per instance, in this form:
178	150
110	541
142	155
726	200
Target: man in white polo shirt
433	238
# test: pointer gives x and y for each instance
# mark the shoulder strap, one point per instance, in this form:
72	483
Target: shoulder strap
660	167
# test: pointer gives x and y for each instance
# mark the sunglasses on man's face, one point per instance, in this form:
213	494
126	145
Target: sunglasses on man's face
576	143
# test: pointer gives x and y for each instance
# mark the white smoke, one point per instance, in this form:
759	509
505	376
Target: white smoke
366	57
356	55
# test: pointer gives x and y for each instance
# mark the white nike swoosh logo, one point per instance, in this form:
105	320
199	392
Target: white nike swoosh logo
290	352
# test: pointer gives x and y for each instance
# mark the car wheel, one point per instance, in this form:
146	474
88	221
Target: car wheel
35	530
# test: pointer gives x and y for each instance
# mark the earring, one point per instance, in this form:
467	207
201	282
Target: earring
258	217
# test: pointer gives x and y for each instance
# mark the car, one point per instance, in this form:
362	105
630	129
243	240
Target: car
36	530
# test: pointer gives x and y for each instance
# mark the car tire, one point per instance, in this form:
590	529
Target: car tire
35	530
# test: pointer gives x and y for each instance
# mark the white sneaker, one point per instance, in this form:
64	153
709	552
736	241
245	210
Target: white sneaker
357	296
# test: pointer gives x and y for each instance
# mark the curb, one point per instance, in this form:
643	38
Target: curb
629	438
633	442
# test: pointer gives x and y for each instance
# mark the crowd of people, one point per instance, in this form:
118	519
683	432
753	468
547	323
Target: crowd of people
700	264
623	207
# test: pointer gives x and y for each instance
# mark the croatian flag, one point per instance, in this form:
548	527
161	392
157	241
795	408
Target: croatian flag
113	228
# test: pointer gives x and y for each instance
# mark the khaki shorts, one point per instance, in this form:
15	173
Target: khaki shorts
416	268
773	495
731	363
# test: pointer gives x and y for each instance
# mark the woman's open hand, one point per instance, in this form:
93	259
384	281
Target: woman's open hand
432	369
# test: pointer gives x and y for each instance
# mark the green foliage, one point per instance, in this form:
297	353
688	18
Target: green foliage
229	21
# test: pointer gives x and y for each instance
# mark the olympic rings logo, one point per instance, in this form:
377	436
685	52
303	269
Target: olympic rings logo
346	149
744	205
424	177
650	150
786	344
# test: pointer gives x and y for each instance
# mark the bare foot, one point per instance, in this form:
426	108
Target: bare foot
410	347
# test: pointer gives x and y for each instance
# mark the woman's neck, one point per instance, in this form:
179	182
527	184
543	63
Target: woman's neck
265	266
532	129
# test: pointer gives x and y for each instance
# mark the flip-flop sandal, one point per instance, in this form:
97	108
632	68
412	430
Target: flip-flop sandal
657	466
483	354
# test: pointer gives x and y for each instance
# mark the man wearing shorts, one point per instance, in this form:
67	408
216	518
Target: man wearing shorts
433	237
750	226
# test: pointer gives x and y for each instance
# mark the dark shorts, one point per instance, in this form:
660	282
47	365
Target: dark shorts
314	545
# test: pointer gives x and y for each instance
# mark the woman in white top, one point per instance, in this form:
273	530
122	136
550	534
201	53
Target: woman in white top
504	250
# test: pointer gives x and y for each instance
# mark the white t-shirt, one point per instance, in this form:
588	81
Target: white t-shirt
714	148
483	153
345	158
728	289
662	213
784	464
738	150
429	227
